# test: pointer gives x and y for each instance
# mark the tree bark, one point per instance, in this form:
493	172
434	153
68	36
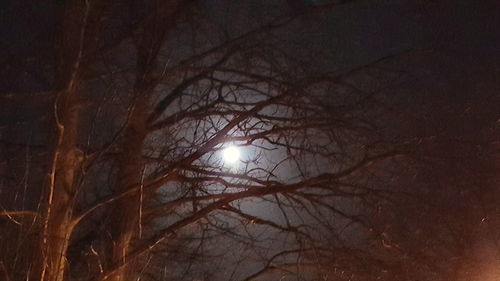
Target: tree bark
125	215
56	219
58	224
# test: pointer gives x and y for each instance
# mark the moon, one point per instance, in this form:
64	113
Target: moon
231	154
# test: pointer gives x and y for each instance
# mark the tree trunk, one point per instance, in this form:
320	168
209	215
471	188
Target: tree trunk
125	215
58	224
56	215
58	202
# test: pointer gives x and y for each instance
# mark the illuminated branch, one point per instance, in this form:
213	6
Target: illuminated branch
231	197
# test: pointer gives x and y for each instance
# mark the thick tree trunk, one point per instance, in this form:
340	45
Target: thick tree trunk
56	216
59	198
59	213
125	216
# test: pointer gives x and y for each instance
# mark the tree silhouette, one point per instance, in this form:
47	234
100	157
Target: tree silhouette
121	174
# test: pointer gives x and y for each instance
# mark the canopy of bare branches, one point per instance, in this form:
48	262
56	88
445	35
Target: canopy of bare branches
114	160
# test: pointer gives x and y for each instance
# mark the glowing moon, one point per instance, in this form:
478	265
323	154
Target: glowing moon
231	154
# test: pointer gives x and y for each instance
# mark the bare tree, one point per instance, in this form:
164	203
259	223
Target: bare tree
135	184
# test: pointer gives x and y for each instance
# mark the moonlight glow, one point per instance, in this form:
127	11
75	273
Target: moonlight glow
231	154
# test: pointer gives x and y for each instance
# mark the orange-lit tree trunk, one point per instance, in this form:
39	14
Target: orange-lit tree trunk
57	223
56	217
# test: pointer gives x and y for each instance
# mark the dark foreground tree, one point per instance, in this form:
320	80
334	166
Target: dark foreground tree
133	131
122	174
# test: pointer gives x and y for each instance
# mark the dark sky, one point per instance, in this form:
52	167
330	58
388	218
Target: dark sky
447	76
450	67
465	31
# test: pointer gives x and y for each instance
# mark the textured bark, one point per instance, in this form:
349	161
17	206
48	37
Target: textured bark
58	203
60	198
125	214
